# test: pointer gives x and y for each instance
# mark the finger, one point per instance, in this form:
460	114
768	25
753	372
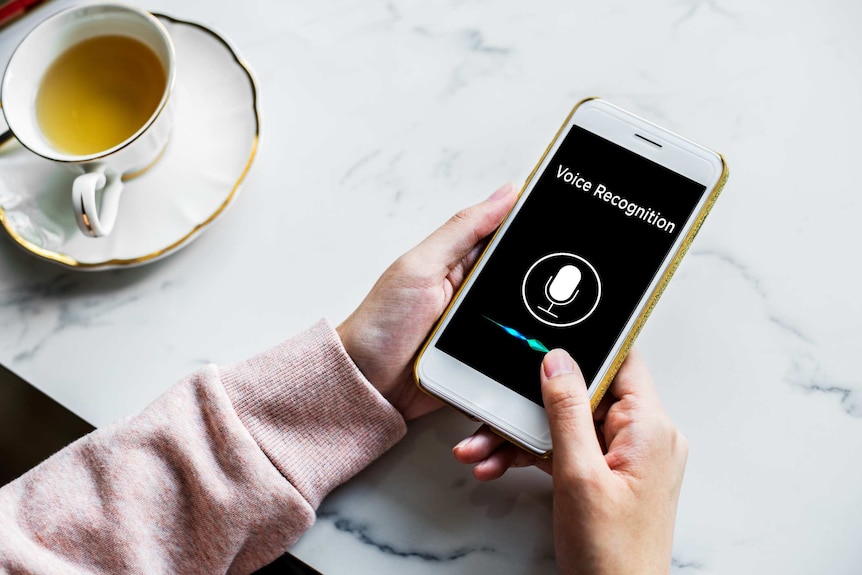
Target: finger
599	416
634	378
478	446
503	459
494	466
573	433
451	243
485	445
459	271
604	405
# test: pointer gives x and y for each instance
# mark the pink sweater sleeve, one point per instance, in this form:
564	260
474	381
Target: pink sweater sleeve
222	473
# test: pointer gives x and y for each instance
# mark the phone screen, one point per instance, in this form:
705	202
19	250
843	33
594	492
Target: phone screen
573	265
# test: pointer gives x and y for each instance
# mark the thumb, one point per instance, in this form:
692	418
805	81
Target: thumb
573	434
452	241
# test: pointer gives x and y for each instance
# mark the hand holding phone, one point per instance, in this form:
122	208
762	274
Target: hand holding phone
579	263
617	472
384	333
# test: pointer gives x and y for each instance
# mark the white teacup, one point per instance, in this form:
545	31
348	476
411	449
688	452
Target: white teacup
96	191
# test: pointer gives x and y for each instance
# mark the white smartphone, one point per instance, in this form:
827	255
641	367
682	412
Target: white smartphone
580	261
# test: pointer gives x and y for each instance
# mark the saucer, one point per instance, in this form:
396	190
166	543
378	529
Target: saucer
213	143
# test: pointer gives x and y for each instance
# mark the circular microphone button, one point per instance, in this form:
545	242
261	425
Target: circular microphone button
561	289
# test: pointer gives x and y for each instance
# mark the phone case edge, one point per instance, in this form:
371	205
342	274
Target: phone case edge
457	294
600	389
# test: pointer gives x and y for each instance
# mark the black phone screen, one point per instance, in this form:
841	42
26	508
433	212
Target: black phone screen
573	264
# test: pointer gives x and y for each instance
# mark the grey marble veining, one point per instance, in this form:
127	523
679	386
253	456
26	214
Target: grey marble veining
804	369
380	120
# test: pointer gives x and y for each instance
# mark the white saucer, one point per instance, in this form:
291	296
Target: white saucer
214	140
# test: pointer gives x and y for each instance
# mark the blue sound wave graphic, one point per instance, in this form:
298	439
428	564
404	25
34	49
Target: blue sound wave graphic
534	344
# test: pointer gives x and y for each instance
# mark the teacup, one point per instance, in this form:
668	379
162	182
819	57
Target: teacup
101	77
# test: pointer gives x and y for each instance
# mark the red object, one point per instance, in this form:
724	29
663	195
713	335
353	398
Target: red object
13	8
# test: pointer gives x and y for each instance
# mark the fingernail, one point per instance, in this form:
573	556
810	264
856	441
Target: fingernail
558	362
465	442
501	193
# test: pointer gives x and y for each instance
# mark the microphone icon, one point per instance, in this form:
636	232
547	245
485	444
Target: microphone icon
569	296
561	288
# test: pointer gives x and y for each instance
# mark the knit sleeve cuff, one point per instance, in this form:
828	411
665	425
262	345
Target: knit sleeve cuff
312	411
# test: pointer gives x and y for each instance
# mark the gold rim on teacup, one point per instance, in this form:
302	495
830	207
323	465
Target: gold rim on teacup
96	191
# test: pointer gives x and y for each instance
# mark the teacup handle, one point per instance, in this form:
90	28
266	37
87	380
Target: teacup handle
95	220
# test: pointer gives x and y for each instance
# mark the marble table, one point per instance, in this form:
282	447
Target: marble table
381	119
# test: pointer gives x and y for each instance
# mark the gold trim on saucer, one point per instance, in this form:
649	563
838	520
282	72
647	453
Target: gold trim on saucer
71	262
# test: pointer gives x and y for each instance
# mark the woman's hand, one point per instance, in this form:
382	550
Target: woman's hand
617	473
383	335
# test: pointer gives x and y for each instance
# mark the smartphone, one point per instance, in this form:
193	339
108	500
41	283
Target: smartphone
599	228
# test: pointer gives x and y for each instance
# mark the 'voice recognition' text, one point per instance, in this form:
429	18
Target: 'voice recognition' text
600	191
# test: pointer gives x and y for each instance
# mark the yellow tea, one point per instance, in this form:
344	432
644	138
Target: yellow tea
98	93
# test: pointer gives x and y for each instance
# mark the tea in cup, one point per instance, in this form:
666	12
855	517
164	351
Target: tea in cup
101	79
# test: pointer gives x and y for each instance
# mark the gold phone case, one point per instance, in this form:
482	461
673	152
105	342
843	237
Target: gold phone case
602	387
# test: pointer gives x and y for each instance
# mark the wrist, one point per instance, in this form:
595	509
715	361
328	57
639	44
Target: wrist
354	350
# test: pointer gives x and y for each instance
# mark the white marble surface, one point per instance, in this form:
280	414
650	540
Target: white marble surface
380	119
